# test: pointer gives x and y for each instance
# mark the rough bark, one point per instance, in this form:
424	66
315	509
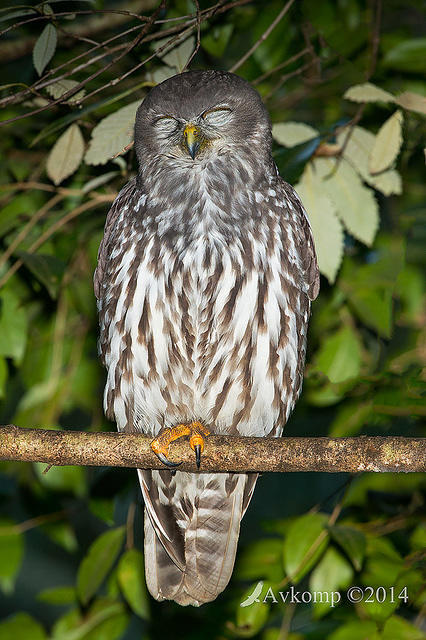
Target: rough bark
221	454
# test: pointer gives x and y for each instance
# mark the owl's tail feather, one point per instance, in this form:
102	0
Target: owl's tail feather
192	525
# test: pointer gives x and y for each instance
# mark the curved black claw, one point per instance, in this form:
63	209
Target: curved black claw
197	450
167	462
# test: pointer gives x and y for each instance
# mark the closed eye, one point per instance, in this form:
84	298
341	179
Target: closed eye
166	124
218	116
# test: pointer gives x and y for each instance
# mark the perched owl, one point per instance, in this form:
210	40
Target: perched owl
204	283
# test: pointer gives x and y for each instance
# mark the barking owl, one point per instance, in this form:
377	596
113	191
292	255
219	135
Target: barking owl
204	283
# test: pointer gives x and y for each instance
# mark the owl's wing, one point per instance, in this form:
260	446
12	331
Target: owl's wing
120	204
309	273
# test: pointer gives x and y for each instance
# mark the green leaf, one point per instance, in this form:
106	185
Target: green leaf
67	478
387	144
290	134
326	227
44	48
383	563
418	538
251	618
357	152
261	559
408	55
11	554
103	508
374	308
98	562
13	326
412	101
105	620
368	92
352	541
58	595
66	155
21	626
339	357
131	578
60	87
47	269
216	39
332	573
3	376
17	210
356	630
350	419
305	542
397	628
355	204
112	134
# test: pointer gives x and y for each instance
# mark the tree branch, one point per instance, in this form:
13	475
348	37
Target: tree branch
222	454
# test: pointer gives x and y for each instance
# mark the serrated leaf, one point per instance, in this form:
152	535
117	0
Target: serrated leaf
60	87
355	204
332	573
66	155
326	226
179	55
11	554
44	48
131	578
94	183
352	541
387	144
368	92
301	546
339	356
98	562
21	626
290	134
412	102
112	134
357	152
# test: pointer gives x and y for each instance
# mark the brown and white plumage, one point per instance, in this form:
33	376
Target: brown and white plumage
204	282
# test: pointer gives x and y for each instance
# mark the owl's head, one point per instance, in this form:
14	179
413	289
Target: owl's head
193	117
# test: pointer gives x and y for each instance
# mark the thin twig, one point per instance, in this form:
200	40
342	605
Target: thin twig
197	44
262	38
280	66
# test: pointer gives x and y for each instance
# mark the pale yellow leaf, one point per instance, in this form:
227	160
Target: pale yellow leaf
326	226
161	74
387	144
112	134
368	92
66	155
58	89
412	102
178	55
290	134
357	152
355	203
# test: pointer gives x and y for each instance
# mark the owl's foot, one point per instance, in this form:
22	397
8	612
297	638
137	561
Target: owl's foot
195	430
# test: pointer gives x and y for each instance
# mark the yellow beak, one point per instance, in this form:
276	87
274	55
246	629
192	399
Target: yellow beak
192	139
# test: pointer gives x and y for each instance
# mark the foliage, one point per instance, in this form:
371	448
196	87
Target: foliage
342	82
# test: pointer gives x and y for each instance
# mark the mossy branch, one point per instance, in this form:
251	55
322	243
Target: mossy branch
222	453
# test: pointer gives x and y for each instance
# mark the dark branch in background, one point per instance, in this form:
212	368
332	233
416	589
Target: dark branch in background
222	454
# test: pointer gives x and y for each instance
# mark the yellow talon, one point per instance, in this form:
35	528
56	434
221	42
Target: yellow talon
196	431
